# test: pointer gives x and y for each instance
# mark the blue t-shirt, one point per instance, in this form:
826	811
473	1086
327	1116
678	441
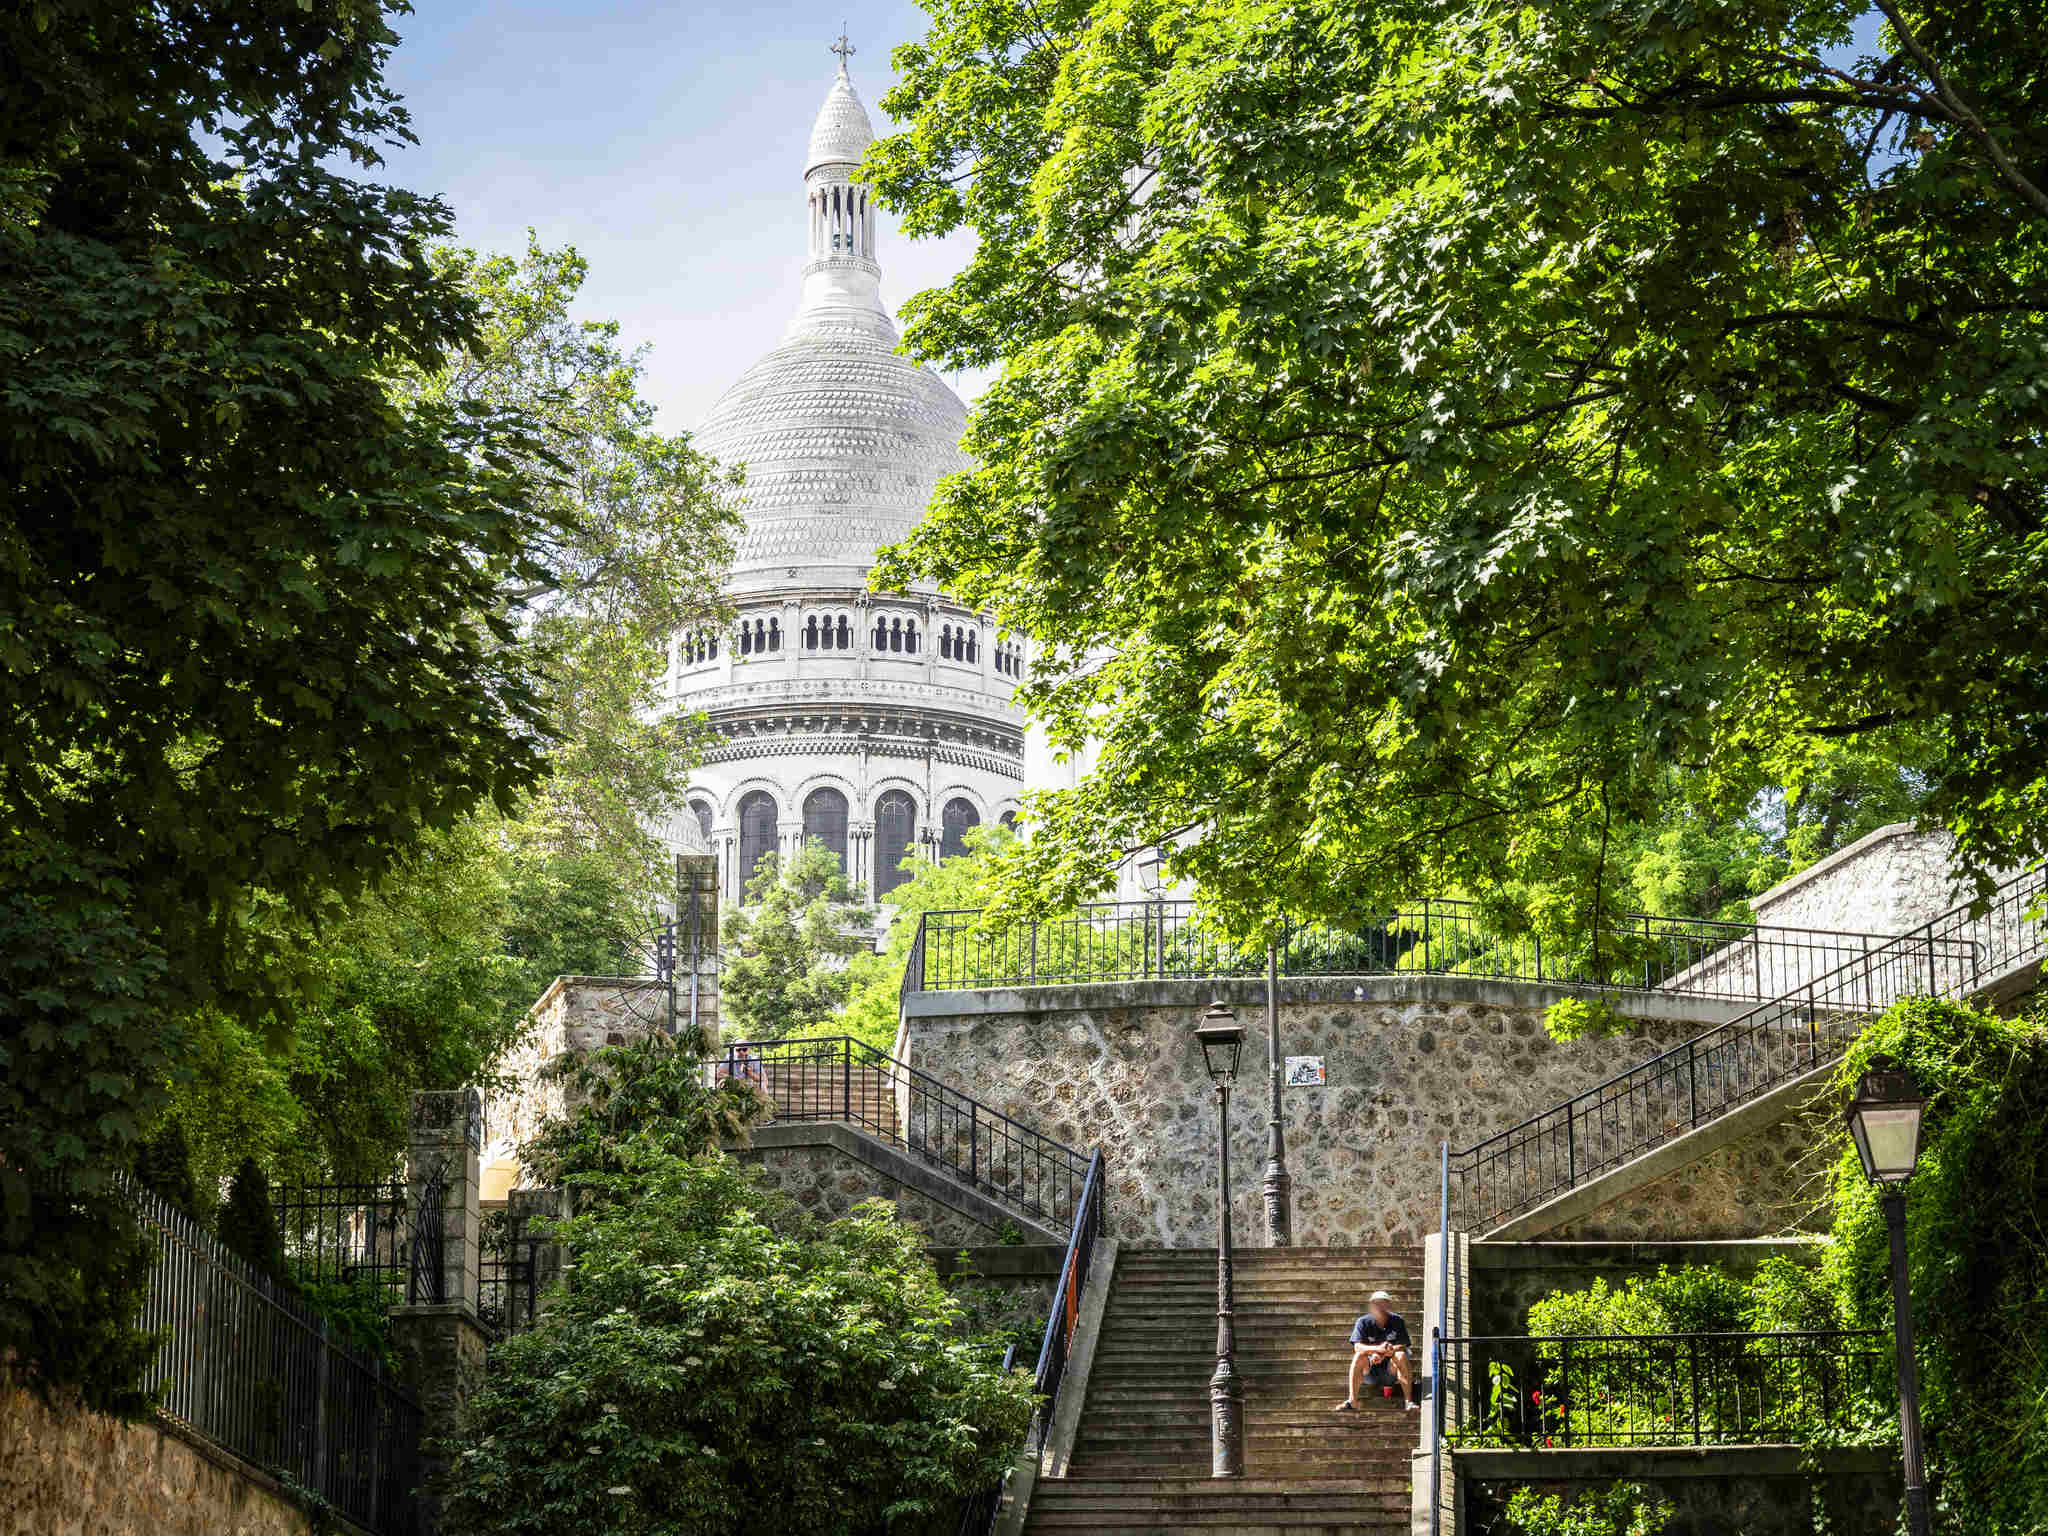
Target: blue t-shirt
1369	1331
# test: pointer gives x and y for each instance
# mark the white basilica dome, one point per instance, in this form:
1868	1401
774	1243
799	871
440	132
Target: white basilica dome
881	724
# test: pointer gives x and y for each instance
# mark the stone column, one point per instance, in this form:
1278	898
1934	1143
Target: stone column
440	1342
530	1211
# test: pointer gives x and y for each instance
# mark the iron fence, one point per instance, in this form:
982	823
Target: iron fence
508	1271
841	1078
348	1232
1134	941
249	1367
1561	1390
1806	1027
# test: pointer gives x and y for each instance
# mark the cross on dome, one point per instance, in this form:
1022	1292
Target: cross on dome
843	48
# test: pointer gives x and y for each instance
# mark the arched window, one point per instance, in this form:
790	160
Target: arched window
845	633
825	821
958	818
775	634
757	834
971	646
881	634
910	637
945	642
746	641
811	633
701	809
895	835
1008	819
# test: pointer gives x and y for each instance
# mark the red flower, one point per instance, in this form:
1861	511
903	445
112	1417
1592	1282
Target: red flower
1535	1397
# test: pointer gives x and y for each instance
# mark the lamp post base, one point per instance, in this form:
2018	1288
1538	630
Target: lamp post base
1226	1422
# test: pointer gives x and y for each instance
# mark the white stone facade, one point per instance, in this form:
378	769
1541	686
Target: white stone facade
881	723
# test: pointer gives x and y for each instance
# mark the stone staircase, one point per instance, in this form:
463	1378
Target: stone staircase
1142	1454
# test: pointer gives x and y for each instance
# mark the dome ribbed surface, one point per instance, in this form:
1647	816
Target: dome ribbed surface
842	440
842	133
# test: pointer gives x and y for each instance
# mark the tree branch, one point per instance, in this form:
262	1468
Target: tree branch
1969	119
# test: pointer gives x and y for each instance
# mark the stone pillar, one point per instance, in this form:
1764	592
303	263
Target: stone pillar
530	1211
440	1343
447	1142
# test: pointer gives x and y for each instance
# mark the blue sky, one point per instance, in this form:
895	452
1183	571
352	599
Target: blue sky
666	143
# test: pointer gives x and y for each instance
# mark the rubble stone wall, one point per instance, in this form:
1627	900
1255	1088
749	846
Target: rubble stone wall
1403	1073
65	1471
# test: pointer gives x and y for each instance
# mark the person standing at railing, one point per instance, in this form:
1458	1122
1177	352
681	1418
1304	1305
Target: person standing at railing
1379	1353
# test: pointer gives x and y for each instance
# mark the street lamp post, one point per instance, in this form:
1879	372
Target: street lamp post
1279	1187
1884	1121
1222	1039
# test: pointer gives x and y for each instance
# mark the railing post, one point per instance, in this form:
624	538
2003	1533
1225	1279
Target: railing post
316	1475
1571	1149
1425	934
973	1141
846	1081
1692	1072
1564	1397
1695	1390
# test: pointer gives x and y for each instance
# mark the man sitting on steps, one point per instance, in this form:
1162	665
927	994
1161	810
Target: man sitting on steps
1379	1343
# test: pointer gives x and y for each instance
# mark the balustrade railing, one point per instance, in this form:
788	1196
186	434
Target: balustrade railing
1558	1391
1136	941
1805	1027
249	1367
840	1078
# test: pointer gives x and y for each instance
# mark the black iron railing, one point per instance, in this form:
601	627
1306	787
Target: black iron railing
1804	1028
1669	1389
508	1271
1051	1374
1134	941
428	1280
249	1367
841	1078
348	1232
978	1512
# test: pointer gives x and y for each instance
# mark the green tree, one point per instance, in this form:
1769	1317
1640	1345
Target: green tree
254	628
247	1225
634	552
1977	1252
727	1365
1424	429
787	952
876	981
647	1093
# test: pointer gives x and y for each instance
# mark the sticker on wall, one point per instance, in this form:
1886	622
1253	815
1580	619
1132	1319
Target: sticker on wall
1305	1072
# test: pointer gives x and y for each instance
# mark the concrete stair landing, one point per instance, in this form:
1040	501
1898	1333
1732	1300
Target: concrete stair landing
1141	1457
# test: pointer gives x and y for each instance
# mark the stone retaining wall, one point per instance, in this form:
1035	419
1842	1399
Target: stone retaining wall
1409	1063
70	1472
1717	1491
828	1182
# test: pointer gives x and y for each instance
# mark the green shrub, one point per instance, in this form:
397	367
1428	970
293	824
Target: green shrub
1622	1509
726	1365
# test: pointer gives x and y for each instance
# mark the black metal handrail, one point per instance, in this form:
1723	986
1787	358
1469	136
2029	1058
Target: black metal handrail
1135	941
1066	1301
247	1365
1574	1390
837	1077
1733	1063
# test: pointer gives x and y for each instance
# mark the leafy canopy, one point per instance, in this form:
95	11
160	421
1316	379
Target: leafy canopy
1424	429
253	635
